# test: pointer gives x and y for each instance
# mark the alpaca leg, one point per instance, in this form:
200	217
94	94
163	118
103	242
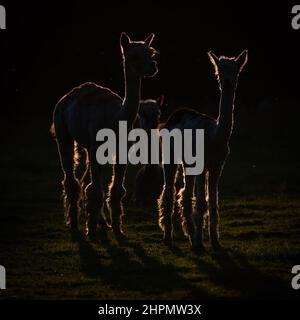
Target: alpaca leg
72	192
185	204
140	187
94	199
116	192
201	209
85	181
86	177
179	184
166	202
70	184
71	196
214	176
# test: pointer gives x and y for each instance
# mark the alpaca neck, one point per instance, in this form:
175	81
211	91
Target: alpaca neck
225	118
132	97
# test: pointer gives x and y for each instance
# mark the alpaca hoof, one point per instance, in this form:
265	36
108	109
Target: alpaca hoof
198	248
216	245
73	225
119	234
105	227
168	241
103	224
76	235
92	236
91	232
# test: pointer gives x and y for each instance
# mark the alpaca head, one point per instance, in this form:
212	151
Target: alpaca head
149	113
139	56
227	69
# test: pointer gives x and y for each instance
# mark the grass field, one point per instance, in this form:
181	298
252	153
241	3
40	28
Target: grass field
260	226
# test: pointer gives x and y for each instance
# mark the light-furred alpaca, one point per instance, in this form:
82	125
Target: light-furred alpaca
217	134
77	118
149	178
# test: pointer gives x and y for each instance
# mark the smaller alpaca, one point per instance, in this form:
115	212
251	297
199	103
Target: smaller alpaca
149	179
217	133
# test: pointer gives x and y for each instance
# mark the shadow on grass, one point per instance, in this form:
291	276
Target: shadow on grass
129	267
232	270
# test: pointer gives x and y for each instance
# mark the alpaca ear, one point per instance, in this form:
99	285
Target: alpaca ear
213	59
149	39
242	59
160	100
124	41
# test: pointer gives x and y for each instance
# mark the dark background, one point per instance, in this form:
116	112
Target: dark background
50	47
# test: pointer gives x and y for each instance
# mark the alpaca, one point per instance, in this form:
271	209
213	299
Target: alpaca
149	179
217	134
77	118
147	190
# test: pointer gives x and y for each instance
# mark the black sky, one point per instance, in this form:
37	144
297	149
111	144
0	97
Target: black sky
50	47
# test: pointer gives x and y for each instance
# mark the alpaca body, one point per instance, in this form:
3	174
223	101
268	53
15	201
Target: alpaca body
215	151
200	193
83	111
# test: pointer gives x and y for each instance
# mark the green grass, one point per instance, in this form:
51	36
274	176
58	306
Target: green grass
260	230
